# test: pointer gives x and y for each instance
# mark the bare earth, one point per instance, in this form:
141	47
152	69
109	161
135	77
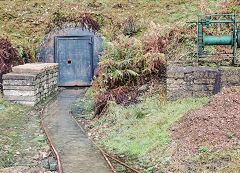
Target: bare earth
215	125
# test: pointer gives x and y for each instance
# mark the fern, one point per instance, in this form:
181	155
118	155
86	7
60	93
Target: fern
124	61
133	73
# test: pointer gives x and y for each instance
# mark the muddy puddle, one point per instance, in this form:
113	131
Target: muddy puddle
76	151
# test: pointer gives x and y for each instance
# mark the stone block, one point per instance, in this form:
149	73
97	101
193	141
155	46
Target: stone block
30	83
205	74
19	76
22	98
200	88
173	81
18	93
189	77
176	87
20	88
200	81
175	75
18	82
33	67
28	103
204	81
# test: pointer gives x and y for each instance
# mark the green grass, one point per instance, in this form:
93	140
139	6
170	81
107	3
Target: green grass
26	22
13	118
140	131
21	137
224	161
139	135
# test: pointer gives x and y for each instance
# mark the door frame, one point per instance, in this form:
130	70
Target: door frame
91	37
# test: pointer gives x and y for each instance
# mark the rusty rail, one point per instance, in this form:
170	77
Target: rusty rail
105	155
48	136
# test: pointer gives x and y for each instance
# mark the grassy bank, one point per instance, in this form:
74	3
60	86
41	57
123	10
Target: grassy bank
137	133
21	138
13	118
140	135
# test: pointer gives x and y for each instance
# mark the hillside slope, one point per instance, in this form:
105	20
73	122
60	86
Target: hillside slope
27	22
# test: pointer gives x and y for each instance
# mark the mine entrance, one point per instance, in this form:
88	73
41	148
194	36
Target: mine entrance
75	57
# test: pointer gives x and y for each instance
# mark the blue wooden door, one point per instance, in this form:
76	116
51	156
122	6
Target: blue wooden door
75	58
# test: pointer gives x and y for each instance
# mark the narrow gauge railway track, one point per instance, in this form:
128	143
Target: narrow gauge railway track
52	138
105	155
48	136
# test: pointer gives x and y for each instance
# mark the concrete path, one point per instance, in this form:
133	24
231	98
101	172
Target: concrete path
75	149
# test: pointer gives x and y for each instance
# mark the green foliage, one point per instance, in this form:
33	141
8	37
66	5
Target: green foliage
8	158
226	160
131	27
83	107
139	114
13	119
124	61
39	139
84	20
89	92
141	130
231	135
203	149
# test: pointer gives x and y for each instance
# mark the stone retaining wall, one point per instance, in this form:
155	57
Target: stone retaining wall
199	81
30	83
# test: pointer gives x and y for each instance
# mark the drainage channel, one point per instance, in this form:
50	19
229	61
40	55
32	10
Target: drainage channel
77	154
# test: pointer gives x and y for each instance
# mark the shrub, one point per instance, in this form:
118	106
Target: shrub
131	27
203	149
125	62
153	41
8	56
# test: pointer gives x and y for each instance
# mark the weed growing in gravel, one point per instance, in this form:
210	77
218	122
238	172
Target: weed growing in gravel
203	149
231	135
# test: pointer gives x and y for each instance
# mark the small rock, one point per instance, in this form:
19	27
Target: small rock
44	164
148	115
6	147
43	155
34	163
36	157
53	164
